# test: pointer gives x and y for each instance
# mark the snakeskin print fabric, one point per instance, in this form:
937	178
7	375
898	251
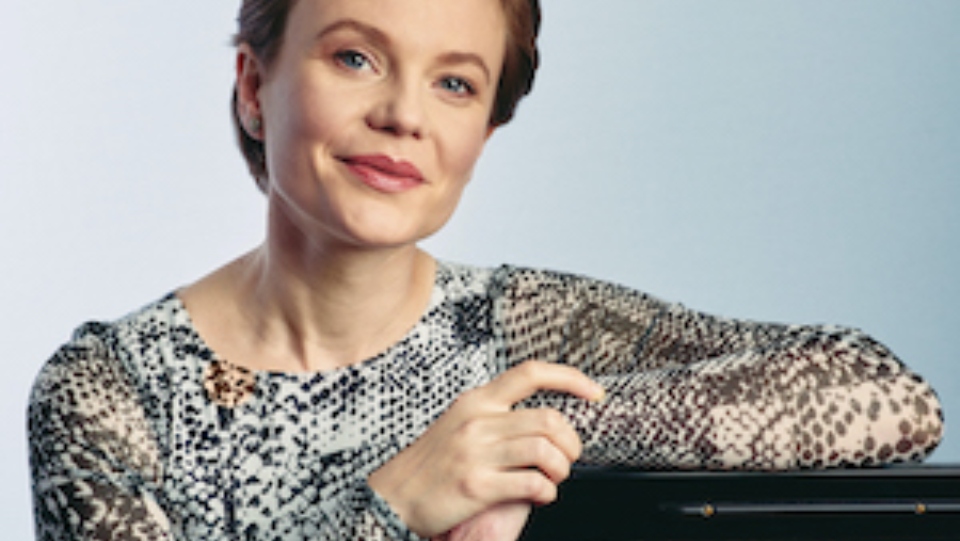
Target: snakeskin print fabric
139	431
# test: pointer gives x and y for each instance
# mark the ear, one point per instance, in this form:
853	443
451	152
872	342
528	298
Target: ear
249	81
490	130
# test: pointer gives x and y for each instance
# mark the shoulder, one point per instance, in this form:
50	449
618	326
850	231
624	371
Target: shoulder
465	278
81	391
517	282
541	294
101	357
87	409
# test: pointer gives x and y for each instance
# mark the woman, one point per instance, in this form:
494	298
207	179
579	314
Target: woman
339	383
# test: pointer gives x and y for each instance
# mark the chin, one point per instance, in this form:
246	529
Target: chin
382	231
387	237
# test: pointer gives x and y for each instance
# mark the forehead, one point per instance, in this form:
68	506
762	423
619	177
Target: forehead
477	26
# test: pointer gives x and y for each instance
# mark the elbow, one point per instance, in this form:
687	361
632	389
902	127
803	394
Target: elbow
911	425
904	408
920	425
870	423
876	412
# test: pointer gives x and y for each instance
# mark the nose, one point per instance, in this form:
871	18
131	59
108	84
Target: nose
399	110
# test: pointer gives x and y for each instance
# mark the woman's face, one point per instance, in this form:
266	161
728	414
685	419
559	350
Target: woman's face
375	112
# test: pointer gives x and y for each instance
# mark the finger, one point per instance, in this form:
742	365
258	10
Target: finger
523	380
535	452
527	485
540	422
501	521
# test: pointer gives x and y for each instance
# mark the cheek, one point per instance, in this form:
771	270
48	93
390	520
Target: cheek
463	153
299	122
305	118
299	108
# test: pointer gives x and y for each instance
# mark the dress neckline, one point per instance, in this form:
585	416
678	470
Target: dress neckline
231	385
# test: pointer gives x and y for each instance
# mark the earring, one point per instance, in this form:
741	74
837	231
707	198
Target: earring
254	125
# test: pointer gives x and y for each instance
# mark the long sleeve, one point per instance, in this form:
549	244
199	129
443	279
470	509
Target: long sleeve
690	390
93	459
99	472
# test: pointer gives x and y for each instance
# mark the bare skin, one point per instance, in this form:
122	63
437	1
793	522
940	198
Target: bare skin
263	313
502	522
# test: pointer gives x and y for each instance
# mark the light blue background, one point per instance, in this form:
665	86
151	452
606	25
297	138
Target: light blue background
793	160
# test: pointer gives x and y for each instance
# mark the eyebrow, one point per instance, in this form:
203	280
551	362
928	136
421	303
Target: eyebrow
380	38
454	58
370	32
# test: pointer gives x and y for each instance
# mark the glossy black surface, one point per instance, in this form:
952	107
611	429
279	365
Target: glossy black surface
909	503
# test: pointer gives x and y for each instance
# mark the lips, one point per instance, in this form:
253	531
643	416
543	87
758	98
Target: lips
384	174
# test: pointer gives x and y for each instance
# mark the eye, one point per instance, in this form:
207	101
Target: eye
352	60
458	86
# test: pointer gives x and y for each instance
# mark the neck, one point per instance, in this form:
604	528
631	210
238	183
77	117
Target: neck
318	307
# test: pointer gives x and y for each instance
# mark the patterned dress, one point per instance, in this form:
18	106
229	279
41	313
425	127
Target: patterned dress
139	431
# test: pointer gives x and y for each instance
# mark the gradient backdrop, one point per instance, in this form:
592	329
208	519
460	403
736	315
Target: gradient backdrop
792	160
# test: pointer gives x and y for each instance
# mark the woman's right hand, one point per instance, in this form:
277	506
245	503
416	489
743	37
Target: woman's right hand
481	452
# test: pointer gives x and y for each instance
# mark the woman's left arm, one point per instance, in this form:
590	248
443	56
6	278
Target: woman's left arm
690	390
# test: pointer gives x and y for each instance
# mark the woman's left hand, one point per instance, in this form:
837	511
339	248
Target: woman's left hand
502	522
482	453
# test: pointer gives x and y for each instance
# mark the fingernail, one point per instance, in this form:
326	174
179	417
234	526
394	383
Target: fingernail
601	396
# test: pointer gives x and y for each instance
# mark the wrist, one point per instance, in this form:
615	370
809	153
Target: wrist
393	527
389	487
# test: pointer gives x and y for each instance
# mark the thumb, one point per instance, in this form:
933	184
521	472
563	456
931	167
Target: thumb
522	381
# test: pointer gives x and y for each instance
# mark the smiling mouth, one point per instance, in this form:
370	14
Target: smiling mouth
384	174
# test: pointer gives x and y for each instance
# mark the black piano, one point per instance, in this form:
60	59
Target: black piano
903	503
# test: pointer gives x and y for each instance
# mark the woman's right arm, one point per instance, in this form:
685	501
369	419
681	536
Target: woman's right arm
97	474
93	458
